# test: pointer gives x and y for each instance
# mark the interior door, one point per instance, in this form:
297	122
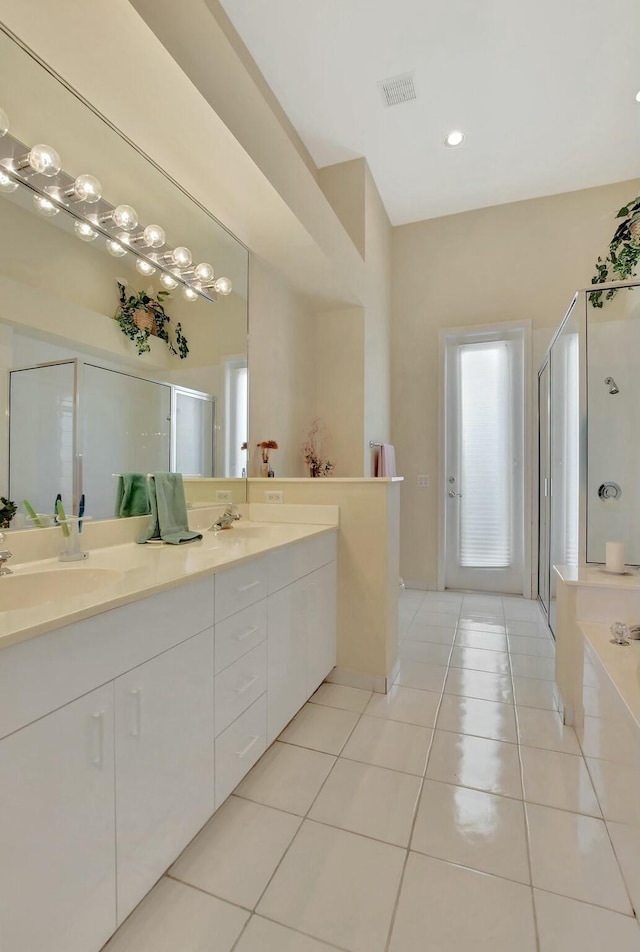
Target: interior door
484	484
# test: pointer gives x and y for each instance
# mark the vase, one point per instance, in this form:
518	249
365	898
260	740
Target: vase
264	469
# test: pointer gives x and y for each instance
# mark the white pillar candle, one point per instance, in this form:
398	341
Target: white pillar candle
615	557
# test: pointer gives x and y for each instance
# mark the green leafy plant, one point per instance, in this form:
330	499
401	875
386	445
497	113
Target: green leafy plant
8	510
140	316
624	253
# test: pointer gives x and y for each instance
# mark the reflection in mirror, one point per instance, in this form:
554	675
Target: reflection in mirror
613	473
59	295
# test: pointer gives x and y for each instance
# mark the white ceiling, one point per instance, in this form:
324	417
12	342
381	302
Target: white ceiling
544	90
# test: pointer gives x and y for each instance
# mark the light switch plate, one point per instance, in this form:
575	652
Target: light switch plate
424	482
274	495
224	495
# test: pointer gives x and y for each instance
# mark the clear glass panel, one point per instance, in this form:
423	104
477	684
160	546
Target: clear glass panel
133	438
613	406
544	482
565	476
194	421
44	435
486	453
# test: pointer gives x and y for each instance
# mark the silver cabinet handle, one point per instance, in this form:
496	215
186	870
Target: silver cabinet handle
245	588
243	753
247	684
98	738
136	726
246	634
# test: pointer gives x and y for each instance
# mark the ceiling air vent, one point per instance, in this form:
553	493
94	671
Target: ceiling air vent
397	89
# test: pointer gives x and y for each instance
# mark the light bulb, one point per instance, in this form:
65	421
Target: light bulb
181	256
154	236
454	139
115	249
86	188
45	160
84	231
223	286
204	272
189	294
4	122
143	267
125	217
44	206
7	184
168	282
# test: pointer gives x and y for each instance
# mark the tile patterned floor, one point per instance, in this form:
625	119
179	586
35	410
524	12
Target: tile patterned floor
454	813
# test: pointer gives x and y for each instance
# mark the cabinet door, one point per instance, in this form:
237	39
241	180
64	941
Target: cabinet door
321	633
287	634
164	763
57	830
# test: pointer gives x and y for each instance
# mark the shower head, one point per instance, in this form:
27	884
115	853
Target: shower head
612	385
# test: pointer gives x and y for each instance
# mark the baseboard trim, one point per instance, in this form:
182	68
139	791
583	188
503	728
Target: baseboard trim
366	682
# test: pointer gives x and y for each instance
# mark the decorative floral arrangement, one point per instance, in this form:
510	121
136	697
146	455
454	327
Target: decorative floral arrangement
8	510
141	315
265	446
624	253
312	451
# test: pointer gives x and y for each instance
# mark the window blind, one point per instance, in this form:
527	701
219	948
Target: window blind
486	454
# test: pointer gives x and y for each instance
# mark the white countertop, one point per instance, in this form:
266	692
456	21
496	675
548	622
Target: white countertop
143	570
594	576
620	663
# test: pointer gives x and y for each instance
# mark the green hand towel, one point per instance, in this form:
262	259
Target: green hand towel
132	495
169	520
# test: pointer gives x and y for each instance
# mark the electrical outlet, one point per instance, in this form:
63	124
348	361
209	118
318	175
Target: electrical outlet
224	495
274	496
424	482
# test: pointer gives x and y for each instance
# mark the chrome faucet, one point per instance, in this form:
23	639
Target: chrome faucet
226	520
5	555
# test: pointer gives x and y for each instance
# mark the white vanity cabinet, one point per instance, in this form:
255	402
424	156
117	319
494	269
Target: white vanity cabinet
164	763
57	830
120	735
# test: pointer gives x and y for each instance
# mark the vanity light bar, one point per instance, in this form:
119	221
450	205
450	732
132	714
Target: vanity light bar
81	198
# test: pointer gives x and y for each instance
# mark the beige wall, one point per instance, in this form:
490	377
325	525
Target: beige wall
514	262
281	369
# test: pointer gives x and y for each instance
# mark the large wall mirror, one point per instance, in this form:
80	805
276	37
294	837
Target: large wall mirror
82	403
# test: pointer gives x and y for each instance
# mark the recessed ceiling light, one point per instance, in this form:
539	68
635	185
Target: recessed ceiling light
454	139
638	96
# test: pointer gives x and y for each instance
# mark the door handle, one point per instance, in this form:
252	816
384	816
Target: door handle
453	494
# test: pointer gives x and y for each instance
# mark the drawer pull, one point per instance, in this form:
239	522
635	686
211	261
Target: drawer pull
246	634
98	738
246	588
252	743
136	725
247	684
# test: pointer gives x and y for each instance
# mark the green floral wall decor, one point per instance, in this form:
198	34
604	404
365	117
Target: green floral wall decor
624	253
140	316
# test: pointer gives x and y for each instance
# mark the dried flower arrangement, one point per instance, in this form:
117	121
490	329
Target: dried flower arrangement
265	446
312	451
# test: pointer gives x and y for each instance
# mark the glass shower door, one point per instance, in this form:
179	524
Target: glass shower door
544	486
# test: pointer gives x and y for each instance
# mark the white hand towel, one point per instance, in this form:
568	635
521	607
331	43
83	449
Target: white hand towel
386	460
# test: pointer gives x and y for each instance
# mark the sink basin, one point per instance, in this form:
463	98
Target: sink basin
37	588
245	531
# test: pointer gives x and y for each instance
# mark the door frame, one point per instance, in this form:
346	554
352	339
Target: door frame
445	335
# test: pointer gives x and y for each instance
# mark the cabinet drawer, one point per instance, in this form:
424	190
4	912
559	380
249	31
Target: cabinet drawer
41	674
292	562
239	685
239	747
239	587
239	634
